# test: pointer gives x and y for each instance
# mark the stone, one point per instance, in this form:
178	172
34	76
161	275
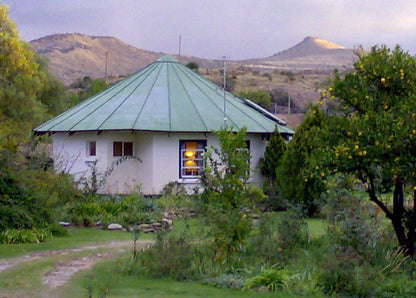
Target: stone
64	224
167	224
115	227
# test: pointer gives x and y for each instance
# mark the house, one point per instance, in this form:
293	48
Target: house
152	128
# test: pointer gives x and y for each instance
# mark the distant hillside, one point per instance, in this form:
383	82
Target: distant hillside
313	53
74	55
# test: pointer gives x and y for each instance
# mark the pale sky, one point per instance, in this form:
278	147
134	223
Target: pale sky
216	28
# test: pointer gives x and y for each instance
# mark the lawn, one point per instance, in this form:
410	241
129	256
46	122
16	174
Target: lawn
77	237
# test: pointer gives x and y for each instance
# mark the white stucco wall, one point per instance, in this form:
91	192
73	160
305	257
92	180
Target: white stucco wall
158	152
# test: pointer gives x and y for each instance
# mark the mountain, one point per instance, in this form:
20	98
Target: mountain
74	55
312	53
310	46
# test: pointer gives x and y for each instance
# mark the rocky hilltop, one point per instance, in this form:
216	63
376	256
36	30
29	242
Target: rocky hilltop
74	55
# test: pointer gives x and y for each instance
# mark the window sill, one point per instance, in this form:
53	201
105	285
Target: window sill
89	159
189	181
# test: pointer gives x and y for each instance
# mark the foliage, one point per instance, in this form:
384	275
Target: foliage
292	229
24	236
271	280
133	209
225	191
171	256
275	150
300	174
372	133
54	95
19	76
260	97
193	66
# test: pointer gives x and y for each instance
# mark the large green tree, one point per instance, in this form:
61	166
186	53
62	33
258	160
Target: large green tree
372	134
20	80
300	174
29	188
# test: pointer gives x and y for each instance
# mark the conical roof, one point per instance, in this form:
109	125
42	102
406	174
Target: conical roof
164	96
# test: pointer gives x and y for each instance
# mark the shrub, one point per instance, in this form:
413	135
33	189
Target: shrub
171	256
292	229
24	236
128	210
271	280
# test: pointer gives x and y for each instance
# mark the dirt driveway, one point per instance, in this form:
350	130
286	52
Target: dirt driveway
62	272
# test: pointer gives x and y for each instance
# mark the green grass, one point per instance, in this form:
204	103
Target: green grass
131	286
316	227
77	237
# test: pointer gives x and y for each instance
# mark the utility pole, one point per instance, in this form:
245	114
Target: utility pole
106	66
180	44
224	87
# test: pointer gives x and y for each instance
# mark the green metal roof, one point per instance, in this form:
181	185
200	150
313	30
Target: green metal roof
164	96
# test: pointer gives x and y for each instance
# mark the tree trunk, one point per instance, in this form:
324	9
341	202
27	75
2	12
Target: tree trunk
406	242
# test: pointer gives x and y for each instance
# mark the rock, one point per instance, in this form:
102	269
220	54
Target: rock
99	224
169	214
157	225
64	224
167	224
143	227
149	230
115	227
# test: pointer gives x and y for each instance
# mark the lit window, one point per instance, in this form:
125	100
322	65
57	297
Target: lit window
191	158
92	148
122	149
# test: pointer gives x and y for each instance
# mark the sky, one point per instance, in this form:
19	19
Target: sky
236	29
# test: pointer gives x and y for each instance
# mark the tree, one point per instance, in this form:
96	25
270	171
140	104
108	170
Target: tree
260	97
193	66
372	134
226	191
300	175
20	80
272	158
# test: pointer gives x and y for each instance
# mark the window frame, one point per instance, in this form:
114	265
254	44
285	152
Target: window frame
89	148
199	159
121	151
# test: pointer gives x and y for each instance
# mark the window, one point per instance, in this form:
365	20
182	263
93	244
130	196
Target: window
191	158
247	150
123	149
92	148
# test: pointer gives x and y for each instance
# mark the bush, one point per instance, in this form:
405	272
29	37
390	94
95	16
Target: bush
171	256
129	210
292	229
24	236
270	280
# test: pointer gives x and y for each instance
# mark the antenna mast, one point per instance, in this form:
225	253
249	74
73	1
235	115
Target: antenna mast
224	87
180	44
106	66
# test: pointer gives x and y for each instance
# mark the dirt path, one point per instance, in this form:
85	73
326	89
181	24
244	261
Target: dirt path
63	271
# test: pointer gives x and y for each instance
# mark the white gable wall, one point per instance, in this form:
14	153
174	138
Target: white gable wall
158	152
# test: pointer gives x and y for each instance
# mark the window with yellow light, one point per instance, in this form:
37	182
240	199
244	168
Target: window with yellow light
191	158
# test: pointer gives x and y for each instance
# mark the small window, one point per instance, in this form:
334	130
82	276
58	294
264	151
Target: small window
92	148
128	149
117	148
191	158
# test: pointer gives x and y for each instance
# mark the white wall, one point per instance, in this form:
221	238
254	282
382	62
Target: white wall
158	152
